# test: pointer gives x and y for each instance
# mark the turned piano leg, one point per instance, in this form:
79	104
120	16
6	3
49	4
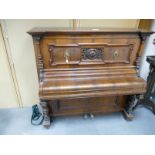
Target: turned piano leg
46	121
128	111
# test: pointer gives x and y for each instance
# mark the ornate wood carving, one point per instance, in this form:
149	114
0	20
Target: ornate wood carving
41	68
92	54
39	58
132	103
37	38
138	65
46	121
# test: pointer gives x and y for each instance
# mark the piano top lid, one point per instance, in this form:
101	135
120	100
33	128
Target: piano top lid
48	30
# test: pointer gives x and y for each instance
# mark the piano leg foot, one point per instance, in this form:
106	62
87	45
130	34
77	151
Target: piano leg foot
128	111
127	116
46	121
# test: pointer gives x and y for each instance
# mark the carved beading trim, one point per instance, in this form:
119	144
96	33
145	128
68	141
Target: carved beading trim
41	68
138	65
37	39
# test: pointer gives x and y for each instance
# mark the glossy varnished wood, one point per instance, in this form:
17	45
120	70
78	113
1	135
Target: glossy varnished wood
88	71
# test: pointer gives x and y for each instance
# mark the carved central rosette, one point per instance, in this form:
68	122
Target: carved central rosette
92	53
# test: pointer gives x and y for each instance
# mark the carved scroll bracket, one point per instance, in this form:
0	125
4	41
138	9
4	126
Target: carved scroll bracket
37	38
143	36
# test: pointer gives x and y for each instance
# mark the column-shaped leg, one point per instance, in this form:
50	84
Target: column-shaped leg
46	121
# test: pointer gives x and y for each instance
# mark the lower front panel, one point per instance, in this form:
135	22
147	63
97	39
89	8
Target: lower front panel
87	105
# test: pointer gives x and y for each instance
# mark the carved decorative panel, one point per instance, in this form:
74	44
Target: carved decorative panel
92	54
64	55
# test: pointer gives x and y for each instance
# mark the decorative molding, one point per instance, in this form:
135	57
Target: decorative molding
138	65
37	38
50	48
41	68
92	53
39	57
143	36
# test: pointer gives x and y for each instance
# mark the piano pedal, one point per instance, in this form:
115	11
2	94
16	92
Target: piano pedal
85	116
91	116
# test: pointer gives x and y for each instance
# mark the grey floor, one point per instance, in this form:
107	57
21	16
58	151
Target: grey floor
17	122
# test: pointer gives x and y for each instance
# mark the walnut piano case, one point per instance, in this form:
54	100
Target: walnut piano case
88	71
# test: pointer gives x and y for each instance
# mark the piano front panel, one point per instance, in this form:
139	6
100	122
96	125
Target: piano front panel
87	105
87	50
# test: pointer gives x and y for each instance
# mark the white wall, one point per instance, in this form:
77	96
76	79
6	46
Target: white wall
23	57
109	23
149	50
8	97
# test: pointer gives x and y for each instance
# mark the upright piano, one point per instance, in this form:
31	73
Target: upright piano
88	71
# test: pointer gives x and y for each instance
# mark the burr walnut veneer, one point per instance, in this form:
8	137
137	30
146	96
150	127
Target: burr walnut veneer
88	70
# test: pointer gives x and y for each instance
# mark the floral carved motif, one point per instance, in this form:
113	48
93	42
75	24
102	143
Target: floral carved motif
92	53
